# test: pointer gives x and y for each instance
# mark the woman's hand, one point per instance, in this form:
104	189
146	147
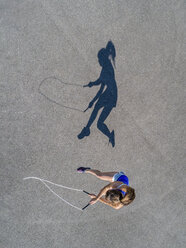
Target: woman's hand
90	84
93	201
92	196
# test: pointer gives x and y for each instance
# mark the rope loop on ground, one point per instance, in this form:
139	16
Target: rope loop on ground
58	185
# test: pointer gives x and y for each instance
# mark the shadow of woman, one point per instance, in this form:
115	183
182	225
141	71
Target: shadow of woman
105	99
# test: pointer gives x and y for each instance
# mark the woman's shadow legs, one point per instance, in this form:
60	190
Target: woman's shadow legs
100	124
86	130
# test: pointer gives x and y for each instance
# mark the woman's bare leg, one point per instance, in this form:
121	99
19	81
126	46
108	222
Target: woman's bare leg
106	176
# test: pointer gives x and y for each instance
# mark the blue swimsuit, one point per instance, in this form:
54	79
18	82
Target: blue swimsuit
125	181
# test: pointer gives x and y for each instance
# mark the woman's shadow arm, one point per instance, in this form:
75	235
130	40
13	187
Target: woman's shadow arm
97	95
97	82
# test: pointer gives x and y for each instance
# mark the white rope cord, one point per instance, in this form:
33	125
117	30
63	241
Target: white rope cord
58	185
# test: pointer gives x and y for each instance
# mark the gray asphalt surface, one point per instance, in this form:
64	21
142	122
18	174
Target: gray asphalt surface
61	38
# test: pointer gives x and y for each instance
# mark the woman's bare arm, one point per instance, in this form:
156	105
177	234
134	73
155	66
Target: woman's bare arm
102	192
105	201
109	186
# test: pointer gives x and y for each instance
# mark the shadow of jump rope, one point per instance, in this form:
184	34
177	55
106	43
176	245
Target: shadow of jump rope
53	101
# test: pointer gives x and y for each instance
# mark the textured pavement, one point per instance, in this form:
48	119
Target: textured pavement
61	38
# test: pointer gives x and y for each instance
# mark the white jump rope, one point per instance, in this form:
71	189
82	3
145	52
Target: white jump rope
58	185
64	106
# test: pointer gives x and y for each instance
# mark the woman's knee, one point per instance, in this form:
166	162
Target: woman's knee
100	125
98	173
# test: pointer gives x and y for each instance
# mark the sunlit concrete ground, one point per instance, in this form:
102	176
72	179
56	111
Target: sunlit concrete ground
40	39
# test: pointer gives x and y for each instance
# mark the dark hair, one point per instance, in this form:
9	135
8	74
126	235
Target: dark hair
114	195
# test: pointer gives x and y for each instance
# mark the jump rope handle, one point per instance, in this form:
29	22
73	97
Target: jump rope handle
88	203
86	192
86	206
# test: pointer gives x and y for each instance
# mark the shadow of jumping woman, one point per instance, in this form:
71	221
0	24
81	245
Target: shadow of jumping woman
105	99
